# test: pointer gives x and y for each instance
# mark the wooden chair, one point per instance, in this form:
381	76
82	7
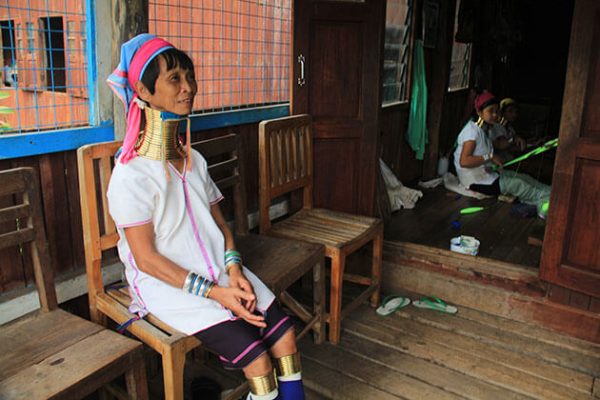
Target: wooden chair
286	165
50	353
277	263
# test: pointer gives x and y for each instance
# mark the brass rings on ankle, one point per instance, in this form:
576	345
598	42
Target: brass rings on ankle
289	365
262	385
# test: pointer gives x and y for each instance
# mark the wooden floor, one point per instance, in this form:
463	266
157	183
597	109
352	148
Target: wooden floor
503	236
422	354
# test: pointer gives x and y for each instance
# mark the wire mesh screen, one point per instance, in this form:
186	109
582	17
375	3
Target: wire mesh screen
240	48
44	65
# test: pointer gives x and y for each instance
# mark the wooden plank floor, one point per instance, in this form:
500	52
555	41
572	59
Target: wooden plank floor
503	236
422	354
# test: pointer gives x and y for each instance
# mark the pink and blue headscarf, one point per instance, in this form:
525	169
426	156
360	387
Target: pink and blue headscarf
136	54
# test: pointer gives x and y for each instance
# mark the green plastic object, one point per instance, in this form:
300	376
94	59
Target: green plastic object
538	150
471	210
545	207
416	134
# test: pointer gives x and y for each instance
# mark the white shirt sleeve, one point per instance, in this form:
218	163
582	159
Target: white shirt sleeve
468	133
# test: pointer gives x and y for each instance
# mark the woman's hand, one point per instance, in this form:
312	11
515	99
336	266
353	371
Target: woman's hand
237	279
232	299
497	160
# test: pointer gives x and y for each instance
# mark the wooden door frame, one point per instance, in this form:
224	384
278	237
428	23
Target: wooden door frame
571	124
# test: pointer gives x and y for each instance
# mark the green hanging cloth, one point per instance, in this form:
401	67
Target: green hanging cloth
417	120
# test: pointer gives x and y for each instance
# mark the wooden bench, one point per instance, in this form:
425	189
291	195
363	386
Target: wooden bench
50	353
278	262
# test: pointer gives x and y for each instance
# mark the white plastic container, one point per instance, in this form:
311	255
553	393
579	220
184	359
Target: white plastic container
465	245
442	166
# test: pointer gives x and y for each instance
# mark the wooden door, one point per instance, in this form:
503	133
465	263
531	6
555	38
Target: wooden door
571	252
340	44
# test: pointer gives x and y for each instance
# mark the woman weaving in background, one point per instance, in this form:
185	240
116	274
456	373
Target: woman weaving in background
474	159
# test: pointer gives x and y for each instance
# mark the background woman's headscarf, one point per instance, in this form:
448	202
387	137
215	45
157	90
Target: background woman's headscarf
136	54
484	100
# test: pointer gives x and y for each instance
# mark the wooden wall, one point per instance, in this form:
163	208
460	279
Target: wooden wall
395	150
62	212
573	299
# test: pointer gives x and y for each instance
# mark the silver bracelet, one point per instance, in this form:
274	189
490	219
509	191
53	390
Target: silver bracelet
188	281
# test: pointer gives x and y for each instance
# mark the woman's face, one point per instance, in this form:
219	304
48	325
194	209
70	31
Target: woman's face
174	90
511	113
489	114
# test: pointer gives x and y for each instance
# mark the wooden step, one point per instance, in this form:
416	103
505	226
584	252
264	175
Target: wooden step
494	345
419	354
464	361
368	374
484	270
550	354
331	383
490	299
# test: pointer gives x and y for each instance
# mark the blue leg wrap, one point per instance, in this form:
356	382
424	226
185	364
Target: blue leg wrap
291	390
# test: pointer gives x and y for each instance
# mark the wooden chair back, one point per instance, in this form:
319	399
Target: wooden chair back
24	224
95	163
287	148
225	166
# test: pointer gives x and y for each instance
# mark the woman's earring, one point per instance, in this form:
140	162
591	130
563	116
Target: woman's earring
480	122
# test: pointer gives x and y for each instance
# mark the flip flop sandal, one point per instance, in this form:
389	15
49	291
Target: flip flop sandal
433	303
391	304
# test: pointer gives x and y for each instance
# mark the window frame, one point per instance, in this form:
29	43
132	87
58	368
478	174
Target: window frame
469	60
410	39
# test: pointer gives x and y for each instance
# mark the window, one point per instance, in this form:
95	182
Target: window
9	54
240	48
8	40
398	23
49	65
30	37
54	53
460	63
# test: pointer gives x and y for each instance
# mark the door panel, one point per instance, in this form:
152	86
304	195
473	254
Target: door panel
571	255
341	44
327	171
591	124
338	47
582	232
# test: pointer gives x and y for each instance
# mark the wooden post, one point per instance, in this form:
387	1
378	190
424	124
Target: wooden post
438	60
130	18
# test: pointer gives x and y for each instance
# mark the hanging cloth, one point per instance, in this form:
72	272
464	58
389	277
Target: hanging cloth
416	134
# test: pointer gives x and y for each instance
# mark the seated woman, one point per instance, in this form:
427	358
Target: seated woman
504	134
474	157
179	254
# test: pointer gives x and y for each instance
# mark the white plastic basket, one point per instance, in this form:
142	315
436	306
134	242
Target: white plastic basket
465	245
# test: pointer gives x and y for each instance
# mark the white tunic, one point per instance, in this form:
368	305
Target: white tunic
499	130
185	232
483	145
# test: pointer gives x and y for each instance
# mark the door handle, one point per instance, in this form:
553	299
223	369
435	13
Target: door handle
301	79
